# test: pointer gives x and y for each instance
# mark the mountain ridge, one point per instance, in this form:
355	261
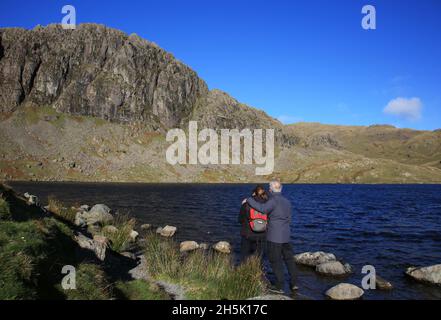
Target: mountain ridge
93	104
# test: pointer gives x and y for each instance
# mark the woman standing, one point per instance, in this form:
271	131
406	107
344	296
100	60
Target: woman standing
253	229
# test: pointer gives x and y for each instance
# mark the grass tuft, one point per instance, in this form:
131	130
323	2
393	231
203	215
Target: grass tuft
59	210
120	239
204	275
91	284
5	213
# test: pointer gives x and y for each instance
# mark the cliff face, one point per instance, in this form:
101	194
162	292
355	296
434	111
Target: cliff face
56	85
96	71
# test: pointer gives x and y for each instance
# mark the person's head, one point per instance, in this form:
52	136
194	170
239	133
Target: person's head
275	186
260	193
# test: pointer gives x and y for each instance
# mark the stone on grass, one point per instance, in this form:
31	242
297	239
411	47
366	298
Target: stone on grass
133	235
98	244
146	226
110	229
99	213
79	220
223	247
188	246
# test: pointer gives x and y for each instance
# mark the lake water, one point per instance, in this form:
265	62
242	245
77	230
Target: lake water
388	226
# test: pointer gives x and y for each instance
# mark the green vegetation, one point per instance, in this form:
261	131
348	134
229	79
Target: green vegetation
204	275
92	284
119	237
57	208
5	213
32	254
35	246
140	290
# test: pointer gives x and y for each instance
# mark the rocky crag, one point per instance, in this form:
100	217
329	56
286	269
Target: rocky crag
94	104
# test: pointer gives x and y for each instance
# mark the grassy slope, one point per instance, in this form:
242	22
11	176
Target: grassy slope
104	151
34	248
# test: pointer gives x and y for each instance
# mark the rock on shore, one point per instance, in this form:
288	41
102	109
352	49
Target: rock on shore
222	247
100	213
167	231
188	246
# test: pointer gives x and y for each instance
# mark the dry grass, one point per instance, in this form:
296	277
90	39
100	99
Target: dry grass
57	208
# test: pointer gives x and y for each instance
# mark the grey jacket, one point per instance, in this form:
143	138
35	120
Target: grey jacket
279	211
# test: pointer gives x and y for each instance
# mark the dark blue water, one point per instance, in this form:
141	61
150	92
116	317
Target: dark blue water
388	226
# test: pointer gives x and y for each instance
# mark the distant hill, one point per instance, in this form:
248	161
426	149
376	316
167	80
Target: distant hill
94	104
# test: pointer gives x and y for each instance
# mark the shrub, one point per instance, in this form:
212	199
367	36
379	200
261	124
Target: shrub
162	256
5	213
120	238
244	282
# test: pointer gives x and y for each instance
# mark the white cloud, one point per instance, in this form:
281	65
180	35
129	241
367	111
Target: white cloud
288	119
409	109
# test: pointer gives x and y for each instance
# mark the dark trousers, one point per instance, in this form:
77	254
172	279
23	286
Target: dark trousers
277	254
251	246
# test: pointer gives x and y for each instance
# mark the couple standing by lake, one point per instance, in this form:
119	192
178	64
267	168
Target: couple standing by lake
266	219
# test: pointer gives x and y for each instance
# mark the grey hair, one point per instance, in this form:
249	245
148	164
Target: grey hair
275	186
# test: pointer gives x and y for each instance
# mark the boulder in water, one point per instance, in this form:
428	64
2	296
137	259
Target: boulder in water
313	259
333	268
430	274
345	291
382	284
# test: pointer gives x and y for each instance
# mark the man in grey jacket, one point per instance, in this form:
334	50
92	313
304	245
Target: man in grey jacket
278	237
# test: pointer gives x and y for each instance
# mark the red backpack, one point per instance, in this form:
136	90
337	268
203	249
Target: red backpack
258	220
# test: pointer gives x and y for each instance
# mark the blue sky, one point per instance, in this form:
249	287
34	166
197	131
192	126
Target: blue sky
297	60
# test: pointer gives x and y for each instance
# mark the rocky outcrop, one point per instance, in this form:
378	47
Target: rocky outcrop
345	291
430	274
102	72
98	71
97	245
99	213
140	272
